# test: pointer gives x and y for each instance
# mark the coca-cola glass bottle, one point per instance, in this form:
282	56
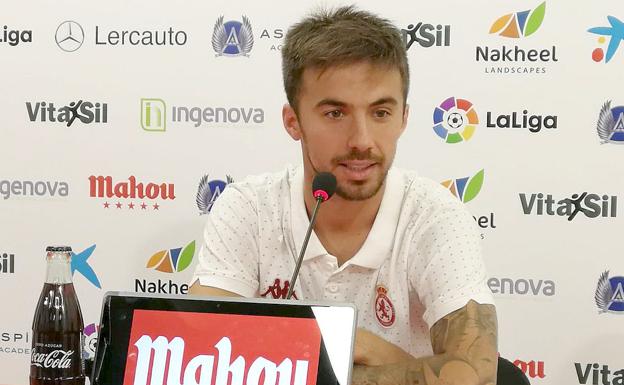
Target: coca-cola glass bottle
57	339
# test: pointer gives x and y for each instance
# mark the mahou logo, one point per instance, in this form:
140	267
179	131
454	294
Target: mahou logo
220	349
56	359
130	194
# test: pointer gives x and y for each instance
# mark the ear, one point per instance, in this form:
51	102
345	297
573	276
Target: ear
291	122
405	116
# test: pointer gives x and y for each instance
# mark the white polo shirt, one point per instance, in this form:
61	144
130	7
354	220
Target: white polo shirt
420	261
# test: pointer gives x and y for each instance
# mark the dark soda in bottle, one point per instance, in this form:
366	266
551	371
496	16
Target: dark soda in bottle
57	339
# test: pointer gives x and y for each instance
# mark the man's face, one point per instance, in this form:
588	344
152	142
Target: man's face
349	120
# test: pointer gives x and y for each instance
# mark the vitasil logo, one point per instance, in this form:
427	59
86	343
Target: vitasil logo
31	188
80	264
591	205
209	191
610	126
115	192
7	263
455	120
208	350
532	369
167	261
83	111
521	121
516	59
466	189
599	374
13	37
232	38
427	35
522	286
14	342
615	32
154	117
610	294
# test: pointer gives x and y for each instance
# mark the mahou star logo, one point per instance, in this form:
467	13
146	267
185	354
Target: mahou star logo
221	349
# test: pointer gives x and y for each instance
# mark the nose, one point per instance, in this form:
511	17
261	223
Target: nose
360	135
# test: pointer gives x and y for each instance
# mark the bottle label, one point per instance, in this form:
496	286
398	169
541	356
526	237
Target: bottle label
57	359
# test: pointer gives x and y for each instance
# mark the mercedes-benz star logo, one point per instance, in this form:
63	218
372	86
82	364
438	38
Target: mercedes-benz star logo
69	36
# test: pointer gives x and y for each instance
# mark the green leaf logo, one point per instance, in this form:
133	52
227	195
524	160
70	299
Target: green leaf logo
535	19
474	186
186	257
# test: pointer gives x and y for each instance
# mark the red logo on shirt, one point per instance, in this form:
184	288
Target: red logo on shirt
173	348
277	291
384	309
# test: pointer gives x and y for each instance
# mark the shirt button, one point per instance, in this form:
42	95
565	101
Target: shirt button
332	288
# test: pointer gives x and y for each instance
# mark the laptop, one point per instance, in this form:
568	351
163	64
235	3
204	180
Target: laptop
185	340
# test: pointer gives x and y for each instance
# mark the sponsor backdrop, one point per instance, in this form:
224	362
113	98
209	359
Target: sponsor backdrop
122	122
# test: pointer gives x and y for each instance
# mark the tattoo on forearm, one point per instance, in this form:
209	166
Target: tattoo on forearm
465	344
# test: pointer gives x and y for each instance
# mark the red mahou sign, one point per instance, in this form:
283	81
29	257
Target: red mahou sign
184	348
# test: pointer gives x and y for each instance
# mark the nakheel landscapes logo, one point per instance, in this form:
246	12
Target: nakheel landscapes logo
167	261
466	189
521	58
198	348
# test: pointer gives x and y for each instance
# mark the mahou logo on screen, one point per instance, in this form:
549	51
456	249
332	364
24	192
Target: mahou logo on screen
174	348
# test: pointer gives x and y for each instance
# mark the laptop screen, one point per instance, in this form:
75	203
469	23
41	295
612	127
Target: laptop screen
181	340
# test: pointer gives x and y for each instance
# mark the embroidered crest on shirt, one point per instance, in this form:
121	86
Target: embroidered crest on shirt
384	309
278	291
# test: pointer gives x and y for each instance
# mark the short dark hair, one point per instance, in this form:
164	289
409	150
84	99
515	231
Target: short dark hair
342	36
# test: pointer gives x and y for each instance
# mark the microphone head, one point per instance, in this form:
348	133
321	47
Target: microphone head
324	185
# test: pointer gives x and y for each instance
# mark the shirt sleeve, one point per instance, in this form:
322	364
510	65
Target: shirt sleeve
228	258
447	269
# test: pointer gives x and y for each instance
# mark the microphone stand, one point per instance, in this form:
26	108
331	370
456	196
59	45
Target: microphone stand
293	279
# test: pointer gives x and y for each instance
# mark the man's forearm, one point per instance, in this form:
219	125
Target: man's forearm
465	346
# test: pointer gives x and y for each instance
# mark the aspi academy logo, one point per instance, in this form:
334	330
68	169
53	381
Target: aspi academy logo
232	38
610	126
209	191
610	294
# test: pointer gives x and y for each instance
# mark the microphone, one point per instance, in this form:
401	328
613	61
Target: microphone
323	187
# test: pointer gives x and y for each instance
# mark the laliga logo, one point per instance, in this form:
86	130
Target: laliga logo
204	364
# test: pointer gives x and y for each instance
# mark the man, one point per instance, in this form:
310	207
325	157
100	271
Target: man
400	247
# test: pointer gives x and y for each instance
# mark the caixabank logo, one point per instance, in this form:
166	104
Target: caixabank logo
80	263
609	294
589	205
614	32
154	116
167	261
208	192
466	189
610	126
130	194
523	57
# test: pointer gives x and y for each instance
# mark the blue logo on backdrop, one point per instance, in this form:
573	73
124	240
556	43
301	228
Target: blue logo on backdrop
232	38
610	126
209	191
79	262
610	294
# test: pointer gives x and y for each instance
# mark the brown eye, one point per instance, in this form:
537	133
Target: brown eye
382	114
334	114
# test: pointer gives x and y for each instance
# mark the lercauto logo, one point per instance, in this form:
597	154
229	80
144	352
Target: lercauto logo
520	24
79	263
615	33
610	294
610	126
153	115
232	38
455	120
209	191
172	260
202	348
467	188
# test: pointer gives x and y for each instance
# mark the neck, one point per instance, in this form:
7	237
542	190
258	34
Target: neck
341	215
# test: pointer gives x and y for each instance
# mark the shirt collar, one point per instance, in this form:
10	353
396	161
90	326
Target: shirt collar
380	239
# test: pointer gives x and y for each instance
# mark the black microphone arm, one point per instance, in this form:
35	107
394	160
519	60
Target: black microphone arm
293	279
